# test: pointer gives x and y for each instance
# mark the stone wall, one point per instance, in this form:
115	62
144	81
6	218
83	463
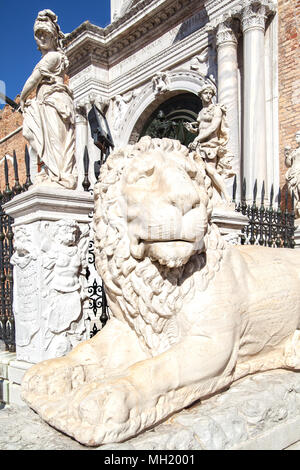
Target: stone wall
289	76
11	120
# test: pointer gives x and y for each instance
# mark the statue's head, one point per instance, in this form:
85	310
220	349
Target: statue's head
66	232
47	32
207	92
161	198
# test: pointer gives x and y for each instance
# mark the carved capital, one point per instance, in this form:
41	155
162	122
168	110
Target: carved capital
255	13
226	33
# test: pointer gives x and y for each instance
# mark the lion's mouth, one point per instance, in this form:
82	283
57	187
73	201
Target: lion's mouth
176	240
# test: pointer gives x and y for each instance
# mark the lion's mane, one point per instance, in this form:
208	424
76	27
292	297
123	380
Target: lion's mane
149	295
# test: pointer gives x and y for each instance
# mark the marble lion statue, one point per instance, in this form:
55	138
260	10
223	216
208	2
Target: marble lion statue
190	314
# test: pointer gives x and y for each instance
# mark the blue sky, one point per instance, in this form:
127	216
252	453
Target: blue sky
18	52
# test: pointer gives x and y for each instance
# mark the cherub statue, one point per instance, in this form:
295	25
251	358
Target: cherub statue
49	117
212	137
63	263
292	160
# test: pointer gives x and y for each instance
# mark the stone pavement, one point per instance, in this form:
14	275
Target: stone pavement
258	412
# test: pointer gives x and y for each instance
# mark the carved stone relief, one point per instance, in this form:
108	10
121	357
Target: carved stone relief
121	104
26	271
161	83
63	260
49	262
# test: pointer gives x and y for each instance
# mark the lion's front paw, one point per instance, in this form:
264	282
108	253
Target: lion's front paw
53	377
107	411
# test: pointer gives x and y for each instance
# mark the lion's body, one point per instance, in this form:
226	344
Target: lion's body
190	314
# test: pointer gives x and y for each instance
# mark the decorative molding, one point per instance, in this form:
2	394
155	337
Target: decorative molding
120	105
107	46
199	59
161	83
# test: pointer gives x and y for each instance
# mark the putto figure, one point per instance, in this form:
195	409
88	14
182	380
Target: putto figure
292	160
49	117
210	144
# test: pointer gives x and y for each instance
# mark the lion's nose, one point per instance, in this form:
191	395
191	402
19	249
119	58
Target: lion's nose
184	200
180	190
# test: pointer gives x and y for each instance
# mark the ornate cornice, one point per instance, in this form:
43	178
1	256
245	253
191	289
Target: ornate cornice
106	46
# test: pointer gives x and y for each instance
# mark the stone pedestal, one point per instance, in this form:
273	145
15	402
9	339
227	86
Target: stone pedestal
230	223
51	235
259	412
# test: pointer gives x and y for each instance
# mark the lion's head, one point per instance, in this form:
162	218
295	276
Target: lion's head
153	233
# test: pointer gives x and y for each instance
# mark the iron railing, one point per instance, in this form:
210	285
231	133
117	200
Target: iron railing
7	324
98	312
269	225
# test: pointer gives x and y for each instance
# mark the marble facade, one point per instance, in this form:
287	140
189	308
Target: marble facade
192	43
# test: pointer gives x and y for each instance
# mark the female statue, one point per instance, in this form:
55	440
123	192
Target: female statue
210	143
292	161
49	117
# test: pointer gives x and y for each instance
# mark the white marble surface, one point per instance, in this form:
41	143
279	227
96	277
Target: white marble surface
259	412
49	121
51	236
190	314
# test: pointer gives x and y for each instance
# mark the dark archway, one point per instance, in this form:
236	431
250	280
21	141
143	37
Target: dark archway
168	118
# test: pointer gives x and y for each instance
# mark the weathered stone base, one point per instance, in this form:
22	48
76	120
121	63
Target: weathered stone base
11	374
230	223
260	412
50	302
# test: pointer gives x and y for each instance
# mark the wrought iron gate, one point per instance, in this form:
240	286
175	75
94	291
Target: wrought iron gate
7	324
269	224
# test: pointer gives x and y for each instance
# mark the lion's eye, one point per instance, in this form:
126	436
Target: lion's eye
146	174
191	173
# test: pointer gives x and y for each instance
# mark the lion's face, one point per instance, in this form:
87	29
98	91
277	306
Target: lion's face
166	218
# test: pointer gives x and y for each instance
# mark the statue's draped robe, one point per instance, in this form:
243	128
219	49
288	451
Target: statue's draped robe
49	122
293	175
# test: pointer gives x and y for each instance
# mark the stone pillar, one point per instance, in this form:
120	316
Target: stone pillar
51	236
81	130
228	92
253	19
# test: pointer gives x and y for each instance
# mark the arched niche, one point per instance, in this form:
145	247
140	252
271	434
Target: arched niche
140	111
168	119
